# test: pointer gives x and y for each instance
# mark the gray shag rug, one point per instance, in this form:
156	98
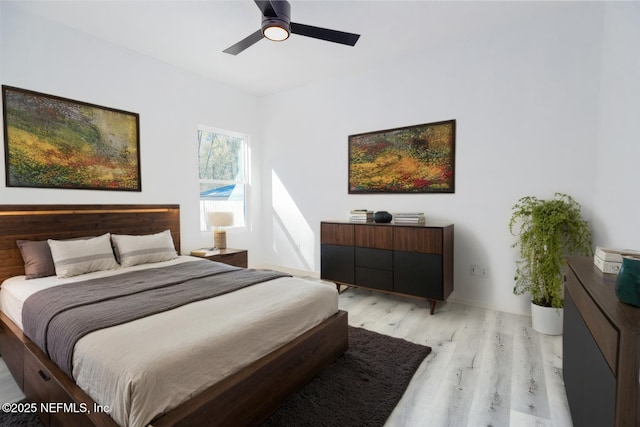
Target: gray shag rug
19	419
360	389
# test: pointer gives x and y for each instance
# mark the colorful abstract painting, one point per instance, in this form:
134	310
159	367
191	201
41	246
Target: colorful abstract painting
413	159
54	142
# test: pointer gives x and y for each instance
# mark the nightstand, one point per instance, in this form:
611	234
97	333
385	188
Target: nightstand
237	257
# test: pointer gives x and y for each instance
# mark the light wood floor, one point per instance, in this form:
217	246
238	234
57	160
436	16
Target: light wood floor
486	368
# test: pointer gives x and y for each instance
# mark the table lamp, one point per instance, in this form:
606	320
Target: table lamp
219	220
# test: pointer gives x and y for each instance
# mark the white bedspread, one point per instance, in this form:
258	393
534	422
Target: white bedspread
143	368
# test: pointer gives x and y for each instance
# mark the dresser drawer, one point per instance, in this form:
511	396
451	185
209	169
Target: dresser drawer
41	387
418	239
374	278
238	259
374	236
37	384
336	234
374	258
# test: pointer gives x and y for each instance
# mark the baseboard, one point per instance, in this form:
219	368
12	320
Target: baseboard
473	303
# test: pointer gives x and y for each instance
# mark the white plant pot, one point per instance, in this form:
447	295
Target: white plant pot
547	320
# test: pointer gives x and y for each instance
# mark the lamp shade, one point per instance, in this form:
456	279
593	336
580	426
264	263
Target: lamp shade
220	219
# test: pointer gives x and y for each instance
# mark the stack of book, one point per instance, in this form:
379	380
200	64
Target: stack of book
609	260
361	215
409	218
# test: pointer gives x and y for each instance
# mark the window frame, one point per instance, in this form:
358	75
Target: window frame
245	181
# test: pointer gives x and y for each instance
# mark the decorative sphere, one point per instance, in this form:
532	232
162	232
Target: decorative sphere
382	216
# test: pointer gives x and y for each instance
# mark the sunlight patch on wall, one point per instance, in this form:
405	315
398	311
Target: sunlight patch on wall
293	239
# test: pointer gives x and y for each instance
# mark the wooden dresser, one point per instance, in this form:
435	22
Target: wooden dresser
601	349
403	259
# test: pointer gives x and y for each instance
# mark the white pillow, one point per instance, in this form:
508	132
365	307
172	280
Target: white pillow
74	257
134	250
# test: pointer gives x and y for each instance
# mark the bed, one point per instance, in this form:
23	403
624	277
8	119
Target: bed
256	383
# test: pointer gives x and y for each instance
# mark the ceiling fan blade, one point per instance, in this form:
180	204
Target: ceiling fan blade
325	34
266	8
245	43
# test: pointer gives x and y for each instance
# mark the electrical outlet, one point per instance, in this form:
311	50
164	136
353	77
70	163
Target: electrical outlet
478	270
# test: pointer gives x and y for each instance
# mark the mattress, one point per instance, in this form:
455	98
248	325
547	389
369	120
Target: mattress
144	368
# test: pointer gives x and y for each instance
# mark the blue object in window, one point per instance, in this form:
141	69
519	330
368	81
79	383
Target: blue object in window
220	193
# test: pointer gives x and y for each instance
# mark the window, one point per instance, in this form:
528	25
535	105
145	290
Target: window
222	163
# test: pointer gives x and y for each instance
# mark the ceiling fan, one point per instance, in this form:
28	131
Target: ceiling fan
277	26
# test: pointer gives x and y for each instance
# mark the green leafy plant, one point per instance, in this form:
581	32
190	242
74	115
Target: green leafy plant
547	231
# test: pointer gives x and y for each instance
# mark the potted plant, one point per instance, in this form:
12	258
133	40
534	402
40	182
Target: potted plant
547	231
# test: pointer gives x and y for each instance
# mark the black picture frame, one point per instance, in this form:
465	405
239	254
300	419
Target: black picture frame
411	159
56	142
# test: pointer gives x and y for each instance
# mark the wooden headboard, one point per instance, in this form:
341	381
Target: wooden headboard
41	222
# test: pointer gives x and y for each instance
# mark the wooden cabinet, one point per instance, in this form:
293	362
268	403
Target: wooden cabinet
403	259
601	349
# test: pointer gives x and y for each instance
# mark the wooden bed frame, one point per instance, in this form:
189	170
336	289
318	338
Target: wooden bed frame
245	398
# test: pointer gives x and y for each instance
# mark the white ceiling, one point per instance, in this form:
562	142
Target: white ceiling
192	34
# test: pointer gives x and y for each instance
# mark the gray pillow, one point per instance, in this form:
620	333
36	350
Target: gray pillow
37	258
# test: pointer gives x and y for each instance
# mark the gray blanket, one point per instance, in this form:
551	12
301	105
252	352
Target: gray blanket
56	318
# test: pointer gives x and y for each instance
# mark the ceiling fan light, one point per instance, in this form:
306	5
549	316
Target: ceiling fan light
275	32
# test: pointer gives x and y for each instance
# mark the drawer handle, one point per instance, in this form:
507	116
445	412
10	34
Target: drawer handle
44	376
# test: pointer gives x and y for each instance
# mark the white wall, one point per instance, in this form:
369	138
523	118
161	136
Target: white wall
541	106
525	98
46	57
617	197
